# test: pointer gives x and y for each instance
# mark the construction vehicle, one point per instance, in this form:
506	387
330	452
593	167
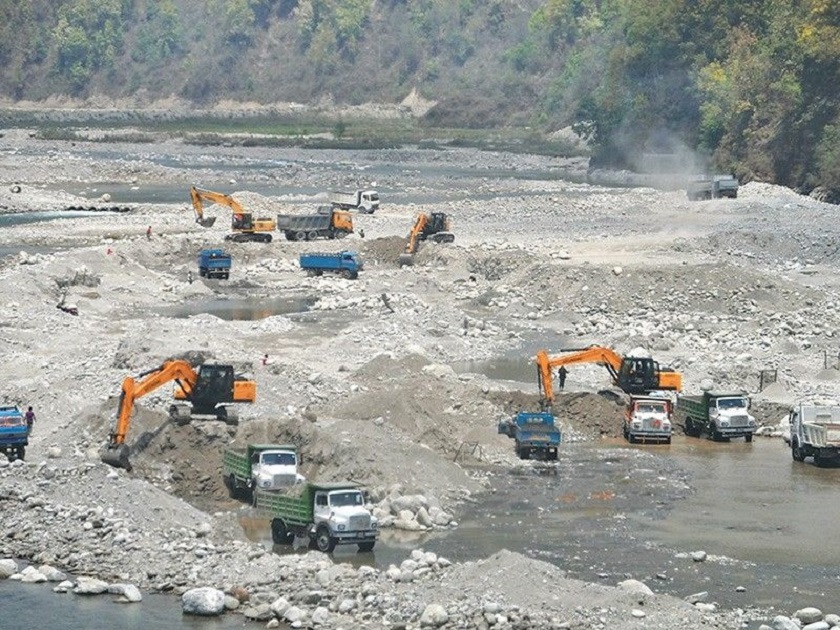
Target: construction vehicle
245	227
270	467
346	263
720	415
815	432
631	374
205	388
712	187
535	434
14	432
435	227
329	514
366	201
214	263
648	419
326	223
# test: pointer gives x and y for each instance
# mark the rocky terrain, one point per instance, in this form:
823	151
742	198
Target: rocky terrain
367	376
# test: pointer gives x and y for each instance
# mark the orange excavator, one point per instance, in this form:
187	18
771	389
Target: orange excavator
434	227
245	227
633	375
205	388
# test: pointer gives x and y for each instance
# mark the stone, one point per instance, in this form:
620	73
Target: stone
808	615
203	601
90	586
51	573
434	616
129	593
635	586
698	556
784	623
31	575
8	567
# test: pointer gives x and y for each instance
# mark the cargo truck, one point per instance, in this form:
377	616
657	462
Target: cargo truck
346	263
720	415
535	434
328	514
815	432
214	263
648	419
366	201
14	433
309	227
713	187
271	467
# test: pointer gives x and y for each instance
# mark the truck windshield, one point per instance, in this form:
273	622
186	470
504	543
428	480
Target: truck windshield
11	421
278	459
341	499
650	407
732	403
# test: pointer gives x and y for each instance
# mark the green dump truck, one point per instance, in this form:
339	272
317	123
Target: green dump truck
720	415
272	467
328	514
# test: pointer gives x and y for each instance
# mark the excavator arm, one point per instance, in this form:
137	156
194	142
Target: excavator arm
594	354
416	233
198	196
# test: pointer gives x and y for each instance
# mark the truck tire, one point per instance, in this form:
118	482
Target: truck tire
266	238
300	236
748	437
21	453
796	451
631	438
312	235
230	482
280	535
341	234
324	541
366	546
347	274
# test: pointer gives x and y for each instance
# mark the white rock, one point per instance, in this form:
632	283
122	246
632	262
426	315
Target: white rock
90	586
205	601
635	586
434	616
8	567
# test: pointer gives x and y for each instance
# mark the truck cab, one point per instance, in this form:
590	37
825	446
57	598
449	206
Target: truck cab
14	434
275	468
340	516
648	419
214	263
815	432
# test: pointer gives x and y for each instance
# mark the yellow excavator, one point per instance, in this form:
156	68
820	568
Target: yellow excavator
633	375
435	227
245	227
205	388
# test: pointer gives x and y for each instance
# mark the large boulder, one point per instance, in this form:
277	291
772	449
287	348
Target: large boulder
203	601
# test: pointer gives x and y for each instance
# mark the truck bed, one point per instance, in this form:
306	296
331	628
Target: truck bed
294	508
236	462
303	222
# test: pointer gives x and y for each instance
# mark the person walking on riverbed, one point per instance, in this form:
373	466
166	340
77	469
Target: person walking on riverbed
29	416
149	232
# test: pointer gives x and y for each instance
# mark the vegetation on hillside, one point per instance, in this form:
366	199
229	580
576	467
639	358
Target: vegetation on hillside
748	83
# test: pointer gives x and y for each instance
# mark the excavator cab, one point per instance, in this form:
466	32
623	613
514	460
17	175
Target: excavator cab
638	375
242	221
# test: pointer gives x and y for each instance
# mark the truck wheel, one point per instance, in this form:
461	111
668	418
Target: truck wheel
347	274
716	436
366	546
631	438
312	236
667	440
748	437
324	541
279	534
21	452
300	236
266	238
340	234
230	482
796	452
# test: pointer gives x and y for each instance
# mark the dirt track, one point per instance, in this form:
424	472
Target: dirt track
718	290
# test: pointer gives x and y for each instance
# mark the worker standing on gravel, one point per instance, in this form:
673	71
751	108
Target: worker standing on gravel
29	416
561	376
149	232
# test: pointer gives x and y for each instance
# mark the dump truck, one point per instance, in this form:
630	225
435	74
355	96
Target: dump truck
328	514
648	419
712	187
366	201
14	433
271	467
346	263
535	434
214	263
329	223
720	415
815	432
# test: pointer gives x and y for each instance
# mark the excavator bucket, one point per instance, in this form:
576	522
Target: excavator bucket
206	221
117	457
406	260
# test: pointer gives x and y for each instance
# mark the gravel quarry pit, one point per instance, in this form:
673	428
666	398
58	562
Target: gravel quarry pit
362	380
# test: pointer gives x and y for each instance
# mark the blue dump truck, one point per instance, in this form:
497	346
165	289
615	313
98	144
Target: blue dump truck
346	263
14	434
536	435
214	263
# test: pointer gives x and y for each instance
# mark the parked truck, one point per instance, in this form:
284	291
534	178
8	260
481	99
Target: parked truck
328	514
14	433
214	263
720	415
815	432
648	419
346	263
366	201
712	187
270	467
535	434
309	227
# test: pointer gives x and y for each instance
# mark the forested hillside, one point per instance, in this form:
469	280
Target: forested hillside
750	83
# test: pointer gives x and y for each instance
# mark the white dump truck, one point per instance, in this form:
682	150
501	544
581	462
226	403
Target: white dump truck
648	419
366	201
270	467
815	432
